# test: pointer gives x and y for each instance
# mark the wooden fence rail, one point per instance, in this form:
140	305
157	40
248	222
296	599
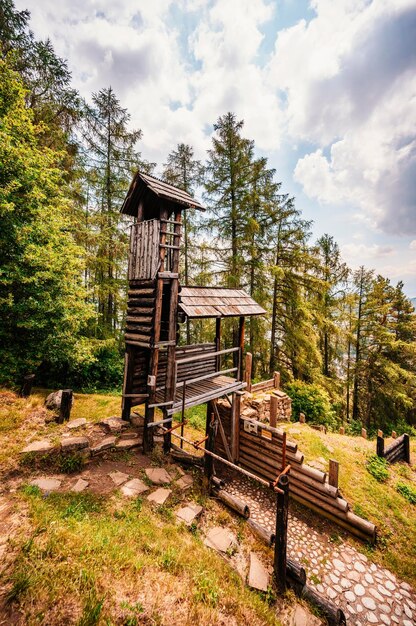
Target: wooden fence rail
398	450
260	452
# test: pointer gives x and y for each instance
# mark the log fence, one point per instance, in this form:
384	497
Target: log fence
398	450
261	453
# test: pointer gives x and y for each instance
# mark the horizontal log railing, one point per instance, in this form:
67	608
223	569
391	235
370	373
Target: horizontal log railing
261	452
398	450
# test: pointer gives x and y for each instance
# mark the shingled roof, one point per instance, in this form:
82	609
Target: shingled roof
217	302
143	183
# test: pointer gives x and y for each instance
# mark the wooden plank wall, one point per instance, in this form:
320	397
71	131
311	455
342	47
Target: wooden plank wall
186	371
143	263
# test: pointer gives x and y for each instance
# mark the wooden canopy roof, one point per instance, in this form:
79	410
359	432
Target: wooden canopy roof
217	302
149	190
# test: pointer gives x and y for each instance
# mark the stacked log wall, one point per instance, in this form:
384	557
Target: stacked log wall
260	451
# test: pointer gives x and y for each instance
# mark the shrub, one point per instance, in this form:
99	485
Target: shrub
378	468
313	401
407	491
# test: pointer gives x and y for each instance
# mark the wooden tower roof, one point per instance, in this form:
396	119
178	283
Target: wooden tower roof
151	191
217	302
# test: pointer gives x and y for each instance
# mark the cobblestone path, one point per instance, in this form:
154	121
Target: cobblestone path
368	593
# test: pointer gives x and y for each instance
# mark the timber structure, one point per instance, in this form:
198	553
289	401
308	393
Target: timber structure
160	373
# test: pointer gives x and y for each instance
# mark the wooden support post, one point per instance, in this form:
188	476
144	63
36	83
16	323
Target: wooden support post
393	434
273	410
364	433
276	379
209	445
406	446
380	445
235	426
241	330
379	433
218	341
66	405
26	388
249	367
127	383
302	418
342	430
173	321
280	548
333	473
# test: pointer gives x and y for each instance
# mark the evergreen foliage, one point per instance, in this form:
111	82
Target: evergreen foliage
344	342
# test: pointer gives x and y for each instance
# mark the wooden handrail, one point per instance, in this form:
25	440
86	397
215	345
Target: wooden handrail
193	359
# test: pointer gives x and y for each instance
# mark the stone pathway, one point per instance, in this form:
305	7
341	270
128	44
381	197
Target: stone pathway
368	593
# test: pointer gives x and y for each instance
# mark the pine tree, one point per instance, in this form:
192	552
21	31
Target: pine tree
228	172
333	274
185	172
112	158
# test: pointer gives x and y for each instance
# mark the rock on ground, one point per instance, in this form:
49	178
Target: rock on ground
45	483
53	401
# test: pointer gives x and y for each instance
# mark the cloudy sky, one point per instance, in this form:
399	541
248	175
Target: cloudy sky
327	89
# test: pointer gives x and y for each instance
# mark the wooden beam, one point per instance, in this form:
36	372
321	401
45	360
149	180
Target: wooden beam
249	367
241	330
333	473
218	342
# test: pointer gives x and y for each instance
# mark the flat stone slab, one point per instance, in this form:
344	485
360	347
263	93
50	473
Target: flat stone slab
46	484
114	424
40	447
118	478
158	475
301	617
189	513
258	576
219	538
105	444
80	485
134	487
127	444
159	496
74	443
185	482
79	423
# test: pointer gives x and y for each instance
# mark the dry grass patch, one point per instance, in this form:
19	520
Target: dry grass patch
118	562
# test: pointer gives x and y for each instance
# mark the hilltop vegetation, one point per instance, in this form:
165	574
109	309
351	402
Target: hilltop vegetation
348	337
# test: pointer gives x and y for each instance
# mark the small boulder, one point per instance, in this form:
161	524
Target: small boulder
46	484
53	401
74	443
158	475
80	485
159	496
114	424
38	447
104	444
134	488
79	423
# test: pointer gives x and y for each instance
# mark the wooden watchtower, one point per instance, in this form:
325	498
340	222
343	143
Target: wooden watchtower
158	372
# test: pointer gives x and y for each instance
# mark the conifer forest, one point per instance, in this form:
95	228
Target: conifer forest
343	341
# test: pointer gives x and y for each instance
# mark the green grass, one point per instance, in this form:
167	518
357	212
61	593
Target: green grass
113	562
379	502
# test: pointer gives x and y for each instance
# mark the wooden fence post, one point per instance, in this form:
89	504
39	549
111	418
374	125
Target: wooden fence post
406	446
273	410
249	367
26	388
341	430
302	418
380	446
333	473
276	379
379	433
280	548
209	445
364	433
393	434
66	405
